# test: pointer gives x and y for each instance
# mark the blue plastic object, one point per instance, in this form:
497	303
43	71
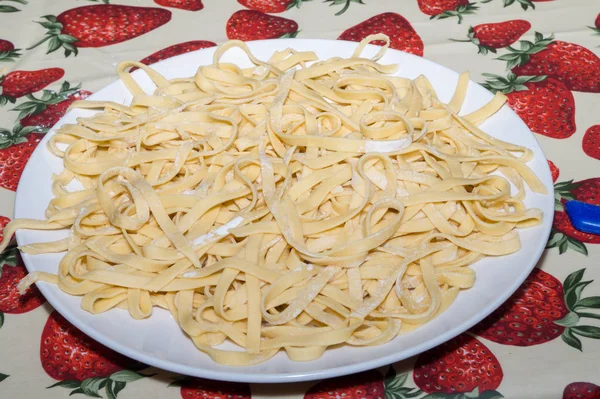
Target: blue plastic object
584	217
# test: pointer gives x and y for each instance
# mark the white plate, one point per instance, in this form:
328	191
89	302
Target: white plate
158	341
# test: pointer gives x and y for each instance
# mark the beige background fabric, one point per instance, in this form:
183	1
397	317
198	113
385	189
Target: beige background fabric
540	371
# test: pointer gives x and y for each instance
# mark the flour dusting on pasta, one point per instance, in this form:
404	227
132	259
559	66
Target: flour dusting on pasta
295	205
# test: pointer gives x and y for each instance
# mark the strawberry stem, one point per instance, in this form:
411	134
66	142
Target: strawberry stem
55	38
472	39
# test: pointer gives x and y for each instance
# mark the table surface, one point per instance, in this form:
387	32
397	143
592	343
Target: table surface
519	352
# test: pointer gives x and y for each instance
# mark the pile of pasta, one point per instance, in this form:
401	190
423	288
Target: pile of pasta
294	205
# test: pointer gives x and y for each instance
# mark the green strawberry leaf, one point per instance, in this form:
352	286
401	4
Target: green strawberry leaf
558	206
7	9
346	4
565	187
76	391
592	302
521	56
570	320
525	4
509	83
119	386
49	97
587	331
109	389
570	339
126	376
55	38
572	279
10	55
9	257
490	395
290	35
93	385
178	383
467	9
564	243
442	395
573	295
1	320
588	315
69	384
392	380
3	377
578	246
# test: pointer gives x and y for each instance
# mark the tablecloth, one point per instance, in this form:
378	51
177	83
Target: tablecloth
542	343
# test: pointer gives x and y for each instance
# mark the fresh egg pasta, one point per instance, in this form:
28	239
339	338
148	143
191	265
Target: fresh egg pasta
294	205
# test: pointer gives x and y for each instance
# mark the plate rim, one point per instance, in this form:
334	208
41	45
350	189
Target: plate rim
236	374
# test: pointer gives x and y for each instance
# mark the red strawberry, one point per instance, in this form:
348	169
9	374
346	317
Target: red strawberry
254	25
366	385
271	6
188	5
441	9
19	83
553	170
43	113
8	53
591	142
72	358
3	222
12	271
489	37
577	67
581	390
544	104
99	25
564	236
277	6
462	365
541	310
199	388
16	147
401	33
528	317
174	50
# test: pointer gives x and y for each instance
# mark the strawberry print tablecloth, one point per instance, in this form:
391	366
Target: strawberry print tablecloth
543	343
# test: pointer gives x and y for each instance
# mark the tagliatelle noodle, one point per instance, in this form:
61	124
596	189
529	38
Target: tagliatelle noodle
294	205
